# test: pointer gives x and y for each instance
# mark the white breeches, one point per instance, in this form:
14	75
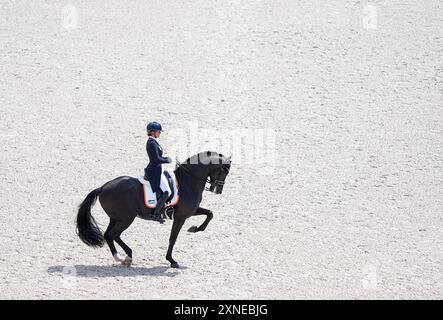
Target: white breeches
164	185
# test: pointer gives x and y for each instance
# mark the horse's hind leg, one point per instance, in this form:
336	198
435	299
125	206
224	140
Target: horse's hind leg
116	232
112	234
108	238
124	246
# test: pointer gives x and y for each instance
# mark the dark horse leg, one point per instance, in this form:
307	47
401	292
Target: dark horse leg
108	238
209	216
176	227
124	246
113	232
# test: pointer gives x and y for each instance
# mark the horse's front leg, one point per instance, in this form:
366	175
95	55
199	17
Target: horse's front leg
176	226
209	216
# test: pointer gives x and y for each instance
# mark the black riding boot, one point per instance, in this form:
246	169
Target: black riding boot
158	208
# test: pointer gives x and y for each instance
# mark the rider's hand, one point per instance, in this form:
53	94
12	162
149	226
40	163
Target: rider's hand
169	159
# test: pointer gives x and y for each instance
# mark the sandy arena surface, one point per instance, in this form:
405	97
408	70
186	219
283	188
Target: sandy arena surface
352	205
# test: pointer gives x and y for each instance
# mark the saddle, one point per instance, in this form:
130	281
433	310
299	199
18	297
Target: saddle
151	197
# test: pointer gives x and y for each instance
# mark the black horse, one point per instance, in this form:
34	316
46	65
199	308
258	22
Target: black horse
123	200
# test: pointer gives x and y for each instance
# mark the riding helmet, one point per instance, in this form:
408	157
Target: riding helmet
154	126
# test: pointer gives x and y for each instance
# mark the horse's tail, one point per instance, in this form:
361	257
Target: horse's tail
87	228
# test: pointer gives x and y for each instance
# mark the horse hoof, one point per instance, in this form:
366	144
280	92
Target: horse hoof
174	265
193	229
127	262
119	258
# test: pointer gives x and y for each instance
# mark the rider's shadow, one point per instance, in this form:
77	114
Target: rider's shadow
97	271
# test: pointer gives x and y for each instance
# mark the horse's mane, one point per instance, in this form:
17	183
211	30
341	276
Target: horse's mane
203	154
195	159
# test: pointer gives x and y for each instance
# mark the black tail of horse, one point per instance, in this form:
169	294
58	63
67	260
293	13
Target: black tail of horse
87	228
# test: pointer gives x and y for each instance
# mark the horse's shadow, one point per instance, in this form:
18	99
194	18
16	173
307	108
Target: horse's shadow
97	271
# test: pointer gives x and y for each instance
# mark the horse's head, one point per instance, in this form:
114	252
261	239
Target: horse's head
218	176
210	167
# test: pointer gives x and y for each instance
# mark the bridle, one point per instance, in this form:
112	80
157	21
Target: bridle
213	183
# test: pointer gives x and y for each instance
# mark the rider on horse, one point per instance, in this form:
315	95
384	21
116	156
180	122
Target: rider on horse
154	170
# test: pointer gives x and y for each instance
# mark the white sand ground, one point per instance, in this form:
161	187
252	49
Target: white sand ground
353	208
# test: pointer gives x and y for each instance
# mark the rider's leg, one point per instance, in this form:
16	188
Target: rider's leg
164	185
160	204
166	191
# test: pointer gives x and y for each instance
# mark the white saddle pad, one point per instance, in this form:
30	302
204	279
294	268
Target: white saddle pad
151	197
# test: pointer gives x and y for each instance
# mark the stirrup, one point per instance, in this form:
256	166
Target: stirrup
169	211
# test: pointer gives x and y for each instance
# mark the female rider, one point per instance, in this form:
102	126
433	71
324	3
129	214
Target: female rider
154	170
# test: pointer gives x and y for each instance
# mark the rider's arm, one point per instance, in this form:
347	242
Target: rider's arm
154	155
